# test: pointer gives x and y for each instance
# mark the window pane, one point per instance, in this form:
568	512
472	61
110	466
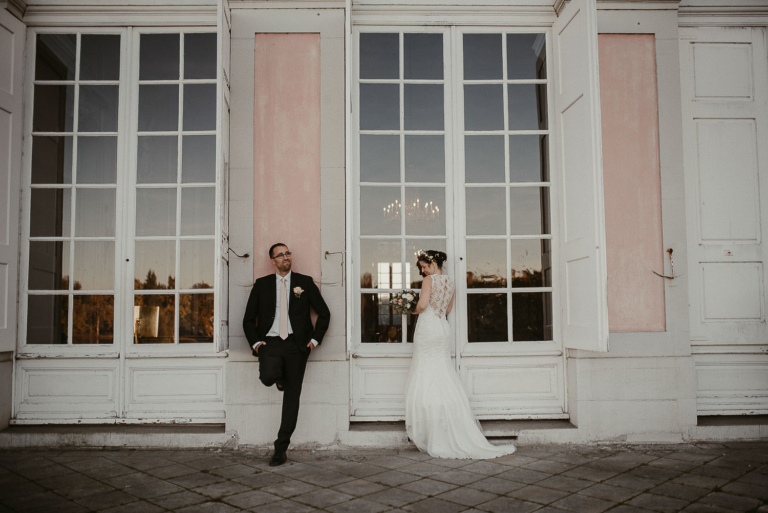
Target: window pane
379	322
526	56
197	210
200	55
379	107
55	59
158	107
200	107
379	158
423	107
528	157
524	107
381	265
425	210
98	108
423	57
159	57
411	247
95	213
487	317
99	57
483	107
48	265
424	158
96	159
486	264
198	159
486	211
484	158
380	210
529	210
51	160
93	319
531	316
197	264
47	319
50	212
155	266
157	159
54	108
195	318
482	57
94	265
153	319
531	263
155	212
379	55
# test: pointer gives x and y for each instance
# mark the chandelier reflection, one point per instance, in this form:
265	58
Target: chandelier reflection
413	211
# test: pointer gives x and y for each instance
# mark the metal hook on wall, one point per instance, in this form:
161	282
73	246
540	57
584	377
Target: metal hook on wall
672	264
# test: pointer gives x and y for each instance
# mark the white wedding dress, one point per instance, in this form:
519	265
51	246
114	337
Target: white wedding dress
438	418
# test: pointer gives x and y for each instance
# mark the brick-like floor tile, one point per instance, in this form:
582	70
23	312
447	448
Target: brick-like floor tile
706	482
633	482
729	501
290	488
458	477
196	480
358	506
134	507
508	505
660	503
747	490
146	462
62	507
391	462
538	494
698	507
233	471
487	468
209	463
679	491
430	487
550	467
44	471
361	487
522	475
284	506
247	500
673	464
434	505
106	500
261	479
423	469
497	485
209	507
37	500
583	504
133	479
108	472
178	500
608	492
175	470
221	489
467	496
393	478
150	490
395	497
323	498
590	474
566	484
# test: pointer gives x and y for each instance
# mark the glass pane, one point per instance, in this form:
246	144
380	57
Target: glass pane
380	323
155	212
486	210
381	265
200	55
531	316
379	107
54	108
380	210
482	57
98	108
197	264
50	212
51	160
484	107
197	210
526	56
484	158
155	265
486	264
529	210
158	107
94	265
159	57
423	107
95	213
531	263
96	159
425	210
424	158
48	265
198	159
47	319
379	55
487	317
157	159
412	246
195	318
93	319
99	58
423	56
153	319
379	158
55	59
528	157
523	107
199	107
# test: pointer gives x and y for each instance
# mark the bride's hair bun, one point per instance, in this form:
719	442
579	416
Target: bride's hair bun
431	255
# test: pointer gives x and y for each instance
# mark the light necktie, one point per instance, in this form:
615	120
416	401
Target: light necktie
283	311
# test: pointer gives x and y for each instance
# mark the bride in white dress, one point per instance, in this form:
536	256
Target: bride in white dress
438	418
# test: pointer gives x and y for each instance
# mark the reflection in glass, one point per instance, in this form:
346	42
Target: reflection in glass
54	108
48	265
155	212
379	322
93	319
55	59
195	318
197	263
531	263
524	107
529	210
379	55
414	245
486	211
423	107
95	213
199	106
482	57
155	266
51	159
484	158
379	107
379	158
381	265
49	213
528	157
98	108
198	159
486	264
197	210
380	210
424	210
526	56
96	159
94	267
158	107
200	55
153	319
99	57
157	159
47	319
487	317
483	107
423	56
411	320
159	57
531	316
424	158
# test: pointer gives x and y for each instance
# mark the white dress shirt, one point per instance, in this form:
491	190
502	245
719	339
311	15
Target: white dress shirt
274	331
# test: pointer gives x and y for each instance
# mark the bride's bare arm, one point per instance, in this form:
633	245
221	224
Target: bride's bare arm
426	290
450	305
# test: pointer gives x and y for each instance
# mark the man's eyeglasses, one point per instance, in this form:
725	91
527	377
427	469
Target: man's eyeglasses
282	255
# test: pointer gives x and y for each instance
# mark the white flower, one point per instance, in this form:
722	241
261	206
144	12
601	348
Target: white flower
297	291
409	297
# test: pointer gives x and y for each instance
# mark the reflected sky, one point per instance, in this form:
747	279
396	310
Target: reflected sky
158	107
197	264
158	257
424	158
379	158
484	107
96	159
487	263
94	267
526	211
525	158
423	56
198	162
157	159
526	56
482	56
425	211
486	209
376	216
100	57
197	210
423	107
98	108
379	107
200	56
155	212
484	159
379	55
95	213
159	56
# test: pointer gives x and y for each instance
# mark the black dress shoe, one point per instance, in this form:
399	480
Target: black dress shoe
277	459
279	384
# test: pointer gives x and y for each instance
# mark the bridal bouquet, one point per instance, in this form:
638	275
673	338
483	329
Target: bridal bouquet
403	302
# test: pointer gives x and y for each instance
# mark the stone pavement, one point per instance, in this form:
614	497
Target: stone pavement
583	479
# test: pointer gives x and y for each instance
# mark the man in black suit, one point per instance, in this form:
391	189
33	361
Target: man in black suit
284	337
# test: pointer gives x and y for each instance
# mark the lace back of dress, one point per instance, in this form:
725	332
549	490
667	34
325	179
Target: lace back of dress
442	292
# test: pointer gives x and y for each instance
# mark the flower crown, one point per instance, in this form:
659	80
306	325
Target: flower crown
423	255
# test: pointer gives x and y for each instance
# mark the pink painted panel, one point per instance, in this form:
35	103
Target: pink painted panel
631	170
286	150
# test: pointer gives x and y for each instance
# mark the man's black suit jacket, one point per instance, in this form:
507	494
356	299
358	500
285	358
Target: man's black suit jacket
261	306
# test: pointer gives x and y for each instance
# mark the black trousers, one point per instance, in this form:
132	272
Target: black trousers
283	360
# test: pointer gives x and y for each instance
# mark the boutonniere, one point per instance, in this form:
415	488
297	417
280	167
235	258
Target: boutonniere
297	291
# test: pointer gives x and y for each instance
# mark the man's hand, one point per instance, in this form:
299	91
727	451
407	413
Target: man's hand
311	347
258	345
